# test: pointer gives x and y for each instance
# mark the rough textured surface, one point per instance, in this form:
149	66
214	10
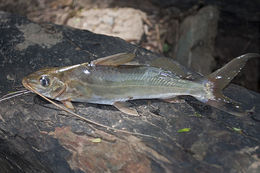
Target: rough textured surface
35	136
126	23
195	47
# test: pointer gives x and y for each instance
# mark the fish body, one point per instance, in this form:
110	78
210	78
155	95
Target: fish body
103	83
107	84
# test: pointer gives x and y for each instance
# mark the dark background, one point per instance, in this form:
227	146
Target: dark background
237	32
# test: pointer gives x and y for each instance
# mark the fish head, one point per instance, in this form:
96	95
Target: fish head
46	82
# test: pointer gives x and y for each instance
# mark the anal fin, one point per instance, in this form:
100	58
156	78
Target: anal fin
124	107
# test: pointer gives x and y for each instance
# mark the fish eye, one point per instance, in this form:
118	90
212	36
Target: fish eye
45	81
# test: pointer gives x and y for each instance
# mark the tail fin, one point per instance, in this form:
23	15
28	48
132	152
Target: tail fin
221	78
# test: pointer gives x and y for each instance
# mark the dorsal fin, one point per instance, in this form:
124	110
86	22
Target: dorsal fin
114	60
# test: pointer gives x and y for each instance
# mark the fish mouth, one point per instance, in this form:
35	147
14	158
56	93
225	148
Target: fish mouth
25	83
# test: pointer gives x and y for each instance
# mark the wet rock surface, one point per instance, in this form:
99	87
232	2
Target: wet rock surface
35	136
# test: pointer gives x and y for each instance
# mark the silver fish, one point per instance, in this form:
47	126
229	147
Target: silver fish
108	81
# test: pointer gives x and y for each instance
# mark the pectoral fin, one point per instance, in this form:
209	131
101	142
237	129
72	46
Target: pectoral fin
124	107
68	104
114	60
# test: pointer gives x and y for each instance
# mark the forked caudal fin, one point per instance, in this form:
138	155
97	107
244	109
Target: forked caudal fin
221	78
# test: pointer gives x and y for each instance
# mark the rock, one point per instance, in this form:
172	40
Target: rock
126	23
35	136
238	33
240	10
175	3
195	47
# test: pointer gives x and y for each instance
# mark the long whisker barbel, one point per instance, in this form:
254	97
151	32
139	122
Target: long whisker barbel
14	94
90	121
